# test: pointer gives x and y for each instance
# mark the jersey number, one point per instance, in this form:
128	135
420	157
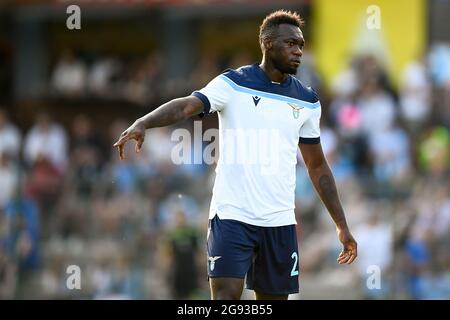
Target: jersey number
295	257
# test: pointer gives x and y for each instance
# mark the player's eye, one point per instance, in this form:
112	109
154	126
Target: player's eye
290	43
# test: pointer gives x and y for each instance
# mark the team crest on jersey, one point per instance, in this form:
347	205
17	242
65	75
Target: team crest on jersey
295	110
212	262
256	100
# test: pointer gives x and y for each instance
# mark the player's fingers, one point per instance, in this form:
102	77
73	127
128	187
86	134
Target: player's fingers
342	254
345	257
121	155
138	146
124	137
352	258
340	258
119	142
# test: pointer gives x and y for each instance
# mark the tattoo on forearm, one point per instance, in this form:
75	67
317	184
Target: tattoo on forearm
329	195
166	114
327	187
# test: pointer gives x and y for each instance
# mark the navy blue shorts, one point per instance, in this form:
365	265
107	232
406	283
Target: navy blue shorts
268	256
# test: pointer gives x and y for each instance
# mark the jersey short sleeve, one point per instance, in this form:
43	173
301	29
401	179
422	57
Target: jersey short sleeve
309	132
215	95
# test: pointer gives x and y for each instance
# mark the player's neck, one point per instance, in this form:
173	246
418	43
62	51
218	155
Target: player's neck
272	73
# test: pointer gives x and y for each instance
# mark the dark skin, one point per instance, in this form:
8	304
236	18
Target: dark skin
282	52
323	181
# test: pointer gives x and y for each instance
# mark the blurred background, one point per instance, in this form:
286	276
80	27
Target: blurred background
137	228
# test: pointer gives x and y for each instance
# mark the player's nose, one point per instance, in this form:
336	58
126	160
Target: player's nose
298	52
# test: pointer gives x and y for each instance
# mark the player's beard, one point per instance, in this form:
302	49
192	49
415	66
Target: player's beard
285	68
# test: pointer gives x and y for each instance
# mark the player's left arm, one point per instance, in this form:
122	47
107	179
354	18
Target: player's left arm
323	181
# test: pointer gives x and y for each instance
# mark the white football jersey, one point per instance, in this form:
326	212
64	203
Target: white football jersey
261	124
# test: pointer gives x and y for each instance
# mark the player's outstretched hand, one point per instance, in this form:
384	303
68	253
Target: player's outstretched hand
137	132
349	252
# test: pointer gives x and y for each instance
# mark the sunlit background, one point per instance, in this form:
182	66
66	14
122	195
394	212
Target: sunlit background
137	228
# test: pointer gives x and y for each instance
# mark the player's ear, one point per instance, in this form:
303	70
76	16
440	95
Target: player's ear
267	43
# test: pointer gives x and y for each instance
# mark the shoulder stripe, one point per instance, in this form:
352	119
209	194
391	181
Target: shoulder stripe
206	104
269	95
309	140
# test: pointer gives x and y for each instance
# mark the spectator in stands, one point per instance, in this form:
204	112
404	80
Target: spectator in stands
9	180
46	139
183	246
415	96
69	77
103	77
10	137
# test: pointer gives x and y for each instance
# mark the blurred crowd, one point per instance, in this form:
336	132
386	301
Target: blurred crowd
79	75
107	77
137	228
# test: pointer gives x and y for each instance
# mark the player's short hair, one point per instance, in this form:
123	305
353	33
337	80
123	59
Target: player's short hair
273	20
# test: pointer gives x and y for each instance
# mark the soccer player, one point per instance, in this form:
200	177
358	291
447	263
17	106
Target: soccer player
251	232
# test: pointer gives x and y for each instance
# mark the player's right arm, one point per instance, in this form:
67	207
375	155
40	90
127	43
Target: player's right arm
169	113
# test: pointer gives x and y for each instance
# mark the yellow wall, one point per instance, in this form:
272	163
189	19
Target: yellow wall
339	28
